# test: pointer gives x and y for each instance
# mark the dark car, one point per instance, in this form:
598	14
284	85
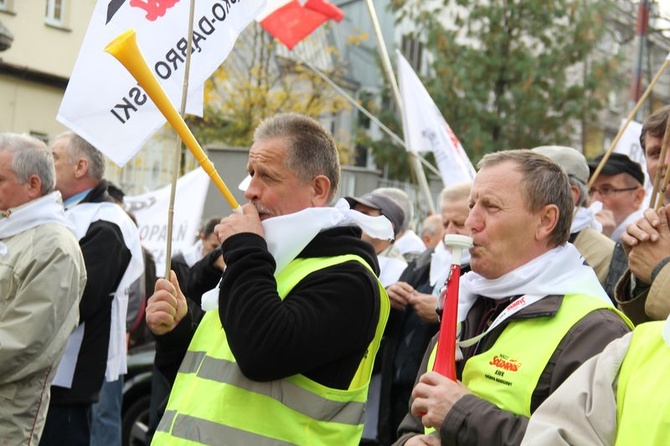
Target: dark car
137	395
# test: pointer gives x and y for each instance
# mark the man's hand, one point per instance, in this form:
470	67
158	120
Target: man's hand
423	440
166	307
434	396
219	263
644	230
651	245
424	306
399	293
606	218
238	222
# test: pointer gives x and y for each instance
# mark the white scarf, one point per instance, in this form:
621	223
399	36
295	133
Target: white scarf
409	242
82	216
585	218
287	235
440	263
558	271
46	209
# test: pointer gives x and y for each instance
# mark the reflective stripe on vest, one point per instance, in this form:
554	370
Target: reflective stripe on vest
213	403
643	406
508	373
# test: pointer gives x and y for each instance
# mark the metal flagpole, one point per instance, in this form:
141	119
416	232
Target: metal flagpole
386	62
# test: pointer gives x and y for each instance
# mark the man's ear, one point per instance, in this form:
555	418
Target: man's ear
34	187
320	190
639	197
81	168
547	221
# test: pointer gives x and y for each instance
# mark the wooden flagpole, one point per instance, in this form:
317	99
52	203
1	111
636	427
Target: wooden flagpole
177	154
632	114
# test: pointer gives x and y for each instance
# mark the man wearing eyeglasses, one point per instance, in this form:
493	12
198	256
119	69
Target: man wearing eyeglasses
619	188
642	292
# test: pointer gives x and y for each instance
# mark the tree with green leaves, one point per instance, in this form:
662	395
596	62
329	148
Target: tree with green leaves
515	73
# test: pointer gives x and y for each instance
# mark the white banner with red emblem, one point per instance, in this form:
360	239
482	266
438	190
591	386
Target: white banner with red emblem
103	102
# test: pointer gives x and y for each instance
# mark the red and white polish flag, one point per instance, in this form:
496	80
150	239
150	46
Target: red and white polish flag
290	21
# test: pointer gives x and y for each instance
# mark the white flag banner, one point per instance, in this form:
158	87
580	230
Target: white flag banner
103	102
629	144
151	211
426	129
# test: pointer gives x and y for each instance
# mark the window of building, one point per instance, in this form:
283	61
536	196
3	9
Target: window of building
413	51
55	13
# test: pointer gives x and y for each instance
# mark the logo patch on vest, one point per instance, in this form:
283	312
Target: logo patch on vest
502	364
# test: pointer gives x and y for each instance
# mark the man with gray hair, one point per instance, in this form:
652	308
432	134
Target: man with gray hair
523	310
42	277
110	244
432	230
307	322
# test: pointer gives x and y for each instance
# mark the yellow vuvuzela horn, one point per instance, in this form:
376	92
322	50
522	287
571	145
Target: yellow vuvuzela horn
124	48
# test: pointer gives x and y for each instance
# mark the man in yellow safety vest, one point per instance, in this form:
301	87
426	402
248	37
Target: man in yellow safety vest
285	351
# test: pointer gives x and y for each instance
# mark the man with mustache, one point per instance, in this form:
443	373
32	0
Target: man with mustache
286	357
530	311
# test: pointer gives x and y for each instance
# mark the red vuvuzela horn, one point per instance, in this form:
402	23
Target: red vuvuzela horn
445	360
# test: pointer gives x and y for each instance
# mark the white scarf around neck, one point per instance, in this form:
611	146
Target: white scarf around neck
287	235
560	270
585	218
46	209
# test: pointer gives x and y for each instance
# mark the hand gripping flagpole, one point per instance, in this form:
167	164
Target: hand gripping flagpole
445	360
124	48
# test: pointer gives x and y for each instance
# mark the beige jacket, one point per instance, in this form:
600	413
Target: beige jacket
42	278
596	249
584	409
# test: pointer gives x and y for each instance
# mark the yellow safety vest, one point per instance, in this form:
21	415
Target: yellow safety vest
213	403
643	403
508	373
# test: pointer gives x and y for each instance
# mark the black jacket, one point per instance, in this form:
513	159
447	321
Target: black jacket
106	257
321	329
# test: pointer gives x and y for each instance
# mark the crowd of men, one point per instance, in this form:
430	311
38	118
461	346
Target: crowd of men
299	319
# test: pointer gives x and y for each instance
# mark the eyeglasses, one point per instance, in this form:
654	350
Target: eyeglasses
606	190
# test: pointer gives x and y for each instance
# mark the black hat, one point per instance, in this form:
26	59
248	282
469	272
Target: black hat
389	208
618	163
